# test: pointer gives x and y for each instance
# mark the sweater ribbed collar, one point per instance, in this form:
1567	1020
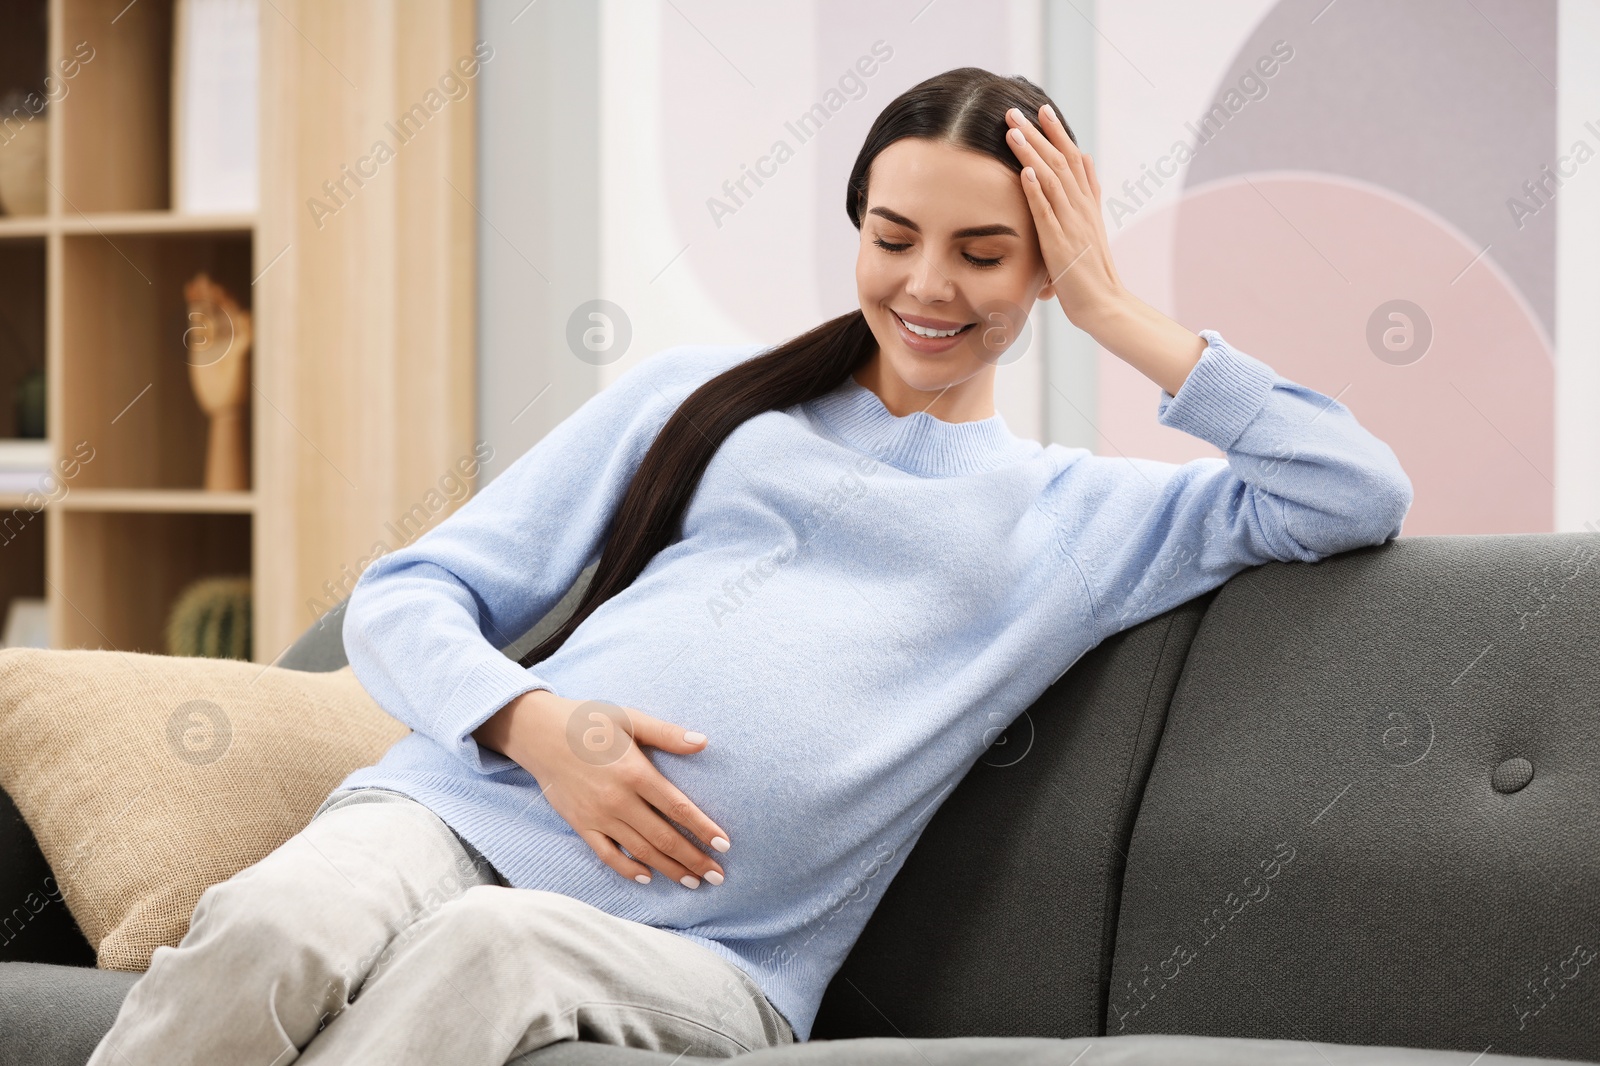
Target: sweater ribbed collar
918	443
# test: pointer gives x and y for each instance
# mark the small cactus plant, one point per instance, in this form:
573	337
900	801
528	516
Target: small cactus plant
211	619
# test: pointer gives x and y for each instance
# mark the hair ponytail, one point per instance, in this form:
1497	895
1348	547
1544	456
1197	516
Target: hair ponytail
965	107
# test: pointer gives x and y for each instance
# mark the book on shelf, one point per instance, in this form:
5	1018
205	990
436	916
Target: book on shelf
215	156
23	465
27	623
17	453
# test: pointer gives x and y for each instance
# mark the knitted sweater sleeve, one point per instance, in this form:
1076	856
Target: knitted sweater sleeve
1301	480
425	623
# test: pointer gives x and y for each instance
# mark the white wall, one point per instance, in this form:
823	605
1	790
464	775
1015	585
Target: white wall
538	208
1578	275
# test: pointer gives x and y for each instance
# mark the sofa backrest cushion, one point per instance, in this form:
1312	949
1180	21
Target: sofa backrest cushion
999	922
320	648
1374	815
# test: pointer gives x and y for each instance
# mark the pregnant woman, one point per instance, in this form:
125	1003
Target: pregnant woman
826	572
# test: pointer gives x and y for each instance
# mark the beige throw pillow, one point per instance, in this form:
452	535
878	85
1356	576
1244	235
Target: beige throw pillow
148	778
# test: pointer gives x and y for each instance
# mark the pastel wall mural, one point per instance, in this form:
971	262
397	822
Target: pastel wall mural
1361	195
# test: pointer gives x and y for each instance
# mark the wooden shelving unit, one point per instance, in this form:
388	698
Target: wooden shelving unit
96	284
363	356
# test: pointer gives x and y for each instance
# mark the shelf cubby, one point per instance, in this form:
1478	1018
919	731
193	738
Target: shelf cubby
22	321
125	375
118	107
24	66
124	570
24	46
22	553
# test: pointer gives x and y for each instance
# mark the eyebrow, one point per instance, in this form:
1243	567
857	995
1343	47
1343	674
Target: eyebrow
993	230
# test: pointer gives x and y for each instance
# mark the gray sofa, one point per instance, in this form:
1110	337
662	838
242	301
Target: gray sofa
1331	813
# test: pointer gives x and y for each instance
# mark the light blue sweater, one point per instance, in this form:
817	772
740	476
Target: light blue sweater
858	605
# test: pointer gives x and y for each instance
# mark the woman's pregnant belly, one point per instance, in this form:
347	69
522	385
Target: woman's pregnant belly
816	775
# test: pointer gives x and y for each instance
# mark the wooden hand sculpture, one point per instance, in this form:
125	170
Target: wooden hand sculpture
218	343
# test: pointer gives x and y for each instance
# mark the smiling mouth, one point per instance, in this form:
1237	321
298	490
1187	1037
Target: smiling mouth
931	334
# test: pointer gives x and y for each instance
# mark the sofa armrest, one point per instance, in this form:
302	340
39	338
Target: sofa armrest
35	925
320	648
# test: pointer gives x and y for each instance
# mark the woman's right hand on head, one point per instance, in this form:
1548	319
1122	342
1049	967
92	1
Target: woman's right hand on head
586	756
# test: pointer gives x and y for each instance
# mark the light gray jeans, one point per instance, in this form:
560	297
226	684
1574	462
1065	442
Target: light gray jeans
378	935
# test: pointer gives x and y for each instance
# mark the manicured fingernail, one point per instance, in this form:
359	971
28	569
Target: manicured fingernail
1028	173
1016	135
691	737
689	881
720	843
714	877
1051	112
643	879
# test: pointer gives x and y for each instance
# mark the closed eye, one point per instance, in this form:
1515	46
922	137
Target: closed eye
897	248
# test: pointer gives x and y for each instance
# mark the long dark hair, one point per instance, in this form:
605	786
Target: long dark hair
964	107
